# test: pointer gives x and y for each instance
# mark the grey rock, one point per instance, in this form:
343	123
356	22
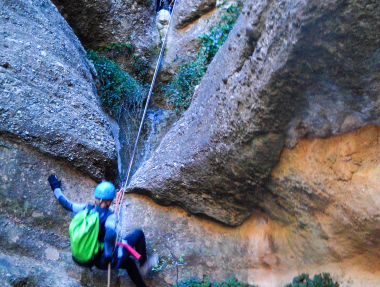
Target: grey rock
189	11
35	245
100	23
252	32
156	124
48	97
314	67
183	35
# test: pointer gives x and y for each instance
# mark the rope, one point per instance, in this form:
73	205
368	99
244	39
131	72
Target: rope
122	190
145	109
109	275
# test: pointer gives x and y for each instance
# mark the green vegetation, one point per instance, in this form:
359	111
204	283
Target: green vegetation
168	262
118	47
299	281
180	90
117	88
318	281
139	66
196	282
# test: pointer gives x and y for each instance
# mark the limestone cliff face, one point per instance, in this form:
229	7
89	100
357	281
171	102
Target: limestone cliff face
285	125
48	97
191	19
50	122
288	70
328	191
188	12
34	243
100	23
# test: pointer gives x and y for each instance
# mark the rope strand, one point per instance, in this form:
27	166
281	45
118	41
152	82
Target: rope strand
122	190
145	109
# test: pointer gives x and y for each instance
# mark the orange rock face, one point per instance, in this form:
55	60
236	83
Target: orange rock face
321	215
326	195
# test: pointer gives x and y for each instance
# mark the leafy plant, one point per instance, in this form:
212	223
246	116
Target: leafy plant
140	68
192	282
117	88
119	47
180	90
319	280
169	261
217	35
197	282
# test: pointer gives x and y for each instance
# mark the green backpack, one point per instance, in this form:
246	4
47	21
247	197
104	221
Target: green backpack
84	230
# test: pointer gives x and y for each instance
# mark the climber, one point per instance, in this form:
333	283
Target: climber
171	6
119	257
164	4
160	5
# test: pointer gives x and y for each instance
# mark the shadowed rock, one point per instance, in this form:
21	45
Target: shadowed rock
100	23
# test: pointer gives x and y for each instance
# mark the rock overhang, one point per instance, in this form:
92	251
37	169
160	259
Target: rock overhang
301	77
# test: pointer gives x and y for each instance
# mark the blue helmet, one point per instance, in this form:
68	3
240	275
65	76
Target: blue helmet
105	190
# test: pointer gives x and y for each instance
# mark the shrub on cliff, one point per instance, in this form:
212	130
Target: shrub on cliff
180	90
320	280
139	66
196	282
117	89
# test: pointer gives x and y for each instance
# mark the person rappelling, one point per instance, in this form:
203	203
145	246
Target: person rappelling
93	235
165	4
171	5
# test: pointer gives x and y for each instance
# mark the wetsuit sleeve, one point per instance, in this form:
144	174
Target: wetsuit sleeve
67	204
110	237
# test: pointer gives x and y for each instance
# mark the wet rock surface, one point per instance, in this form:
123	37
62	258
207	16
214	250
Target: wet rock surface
156	124
217	158
48	97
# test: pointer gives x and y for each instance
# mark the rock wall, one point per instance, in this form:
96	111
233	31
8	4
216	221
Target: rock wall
188	12
50	122
100	23
288	70
191	19
49	99
285	126
34	243
329	189
262	251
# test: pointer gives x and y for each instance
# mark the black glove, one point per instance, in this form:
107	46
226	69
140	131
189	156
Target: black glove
54	182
